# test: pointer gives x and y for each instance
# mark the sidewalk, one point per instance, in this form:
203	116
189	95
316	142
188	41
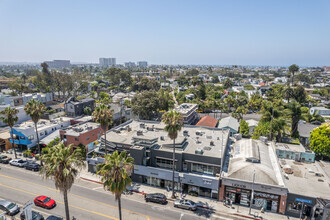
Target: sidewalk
213	205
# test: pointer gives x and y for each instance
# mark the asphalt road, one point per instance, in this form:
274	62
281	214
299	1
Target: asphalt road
245	117
87	200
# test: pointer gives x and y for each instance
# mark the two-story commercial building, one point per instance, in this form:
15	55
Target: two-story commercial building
199	155
25	135
82	134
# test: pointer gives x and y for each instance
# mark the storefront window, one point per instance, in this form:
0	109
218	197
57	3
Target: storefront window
200	168
163	163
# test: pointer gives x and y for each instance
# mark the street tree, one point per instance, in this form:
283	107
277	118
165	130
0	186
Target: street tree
103	115
244	128
227	84
320	140
62	164
35	110
115	174
173	124
293	111
10	118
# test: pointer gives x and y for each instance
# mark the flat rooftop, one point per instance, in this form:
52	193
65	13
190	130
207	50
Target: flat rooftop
307	179
290	147
76	130
207	141
247	155
185	108
42	123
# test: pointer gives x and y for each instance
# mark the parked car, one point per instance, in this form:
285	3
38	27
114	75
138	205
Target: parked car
156	197
18	162
9	207
2	157
35	216
32	166
53	217
185	204
5	160
45	202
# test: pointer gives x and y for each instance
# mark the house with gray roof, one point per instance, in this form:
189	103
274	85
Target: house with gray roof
229	123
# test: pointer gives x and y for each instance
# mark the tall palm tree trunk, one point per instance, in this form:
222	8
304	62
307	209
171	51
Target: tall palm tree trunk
66	204
119	208
39	149
13	144
105	142
173	169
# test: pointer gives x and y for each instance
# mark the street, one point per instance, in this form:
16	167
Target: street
87	200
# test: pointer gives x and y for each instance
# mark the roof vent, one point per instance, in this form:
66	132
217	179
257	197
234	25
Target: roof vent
142	125
199	151
211	143
207	148
209	137
139	133
162	138
185	133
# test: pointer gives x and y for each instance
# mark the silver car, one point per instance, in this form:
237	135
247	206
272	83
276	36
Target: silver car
18	162
185	204
9	207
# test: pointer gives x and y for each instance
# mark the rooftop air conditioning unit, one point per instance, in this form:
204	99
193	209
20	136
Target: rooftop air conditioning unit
199	151
162	138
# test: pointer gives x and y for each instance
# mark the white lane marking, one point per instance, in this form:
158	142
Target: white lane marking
96	188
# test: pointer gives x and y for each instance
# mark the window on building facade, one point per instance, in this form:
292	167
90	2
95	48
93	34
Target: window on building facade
163	163
87	138
76	139
201	168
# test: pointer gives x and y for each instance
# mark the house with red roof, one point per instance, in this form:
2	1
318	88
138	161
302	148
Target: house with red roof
208	121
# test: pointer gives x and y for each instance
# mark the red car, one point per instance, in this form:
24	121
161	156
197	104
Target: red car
45	202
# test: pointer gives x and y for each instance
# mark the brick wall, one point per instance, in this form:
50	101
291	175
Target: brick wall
282	204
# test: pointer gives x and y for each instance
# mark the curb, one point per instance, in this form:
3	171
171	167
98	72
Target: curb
94	181
246	216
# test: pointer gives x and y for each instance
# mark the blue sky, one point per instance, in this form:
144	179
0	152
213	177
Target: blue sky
246	32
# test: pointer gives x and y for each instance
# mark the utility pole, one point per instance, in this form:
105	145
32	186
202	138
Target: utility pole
251	199
271	125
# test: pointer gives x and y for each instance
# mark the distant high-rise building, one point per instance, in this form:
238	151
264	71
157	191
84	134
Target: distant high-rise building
142	63
130	64
58	64
107	61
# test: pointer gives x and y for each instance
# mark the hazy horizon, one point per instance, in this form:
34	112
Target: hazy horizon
256	33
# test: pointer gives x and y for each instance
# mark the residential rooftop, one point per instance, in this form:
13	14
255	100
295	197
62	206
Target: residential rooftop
208	121
185	108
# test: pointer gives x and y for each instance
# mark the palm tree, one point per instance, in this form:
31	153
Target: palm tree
62	163
116	171
293	69
10	118
294	112
103	115
174	123
35	110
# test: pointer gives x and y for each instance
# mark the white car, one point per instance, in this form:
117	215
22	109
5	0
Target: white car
18	162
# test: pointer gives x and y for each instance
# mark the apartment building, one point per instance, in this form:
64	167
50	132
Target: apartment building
189	113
